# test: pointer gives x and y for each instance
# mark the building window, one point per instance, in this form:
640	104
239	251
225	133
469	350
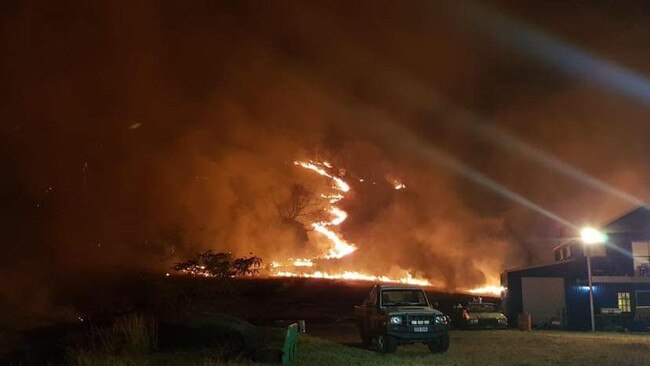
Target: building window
624	302
563	253
643	299
641	254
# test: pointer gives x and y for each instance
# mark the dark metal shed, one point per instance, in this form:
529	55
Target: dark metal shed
559	291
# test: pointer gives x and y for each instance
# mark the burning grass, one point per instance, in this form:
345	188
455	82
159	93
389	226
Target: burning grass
338	247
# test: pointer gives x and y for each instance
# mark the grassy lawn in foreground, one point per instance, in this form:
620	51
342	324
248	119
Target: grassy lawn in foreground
493	348
337	345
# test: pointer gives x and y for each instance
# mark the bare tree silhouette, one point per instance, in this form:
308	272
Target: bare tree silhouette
300	206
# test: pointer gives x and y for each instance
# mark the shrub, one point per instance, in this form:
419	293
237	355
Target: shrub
126	343
220	265
135	333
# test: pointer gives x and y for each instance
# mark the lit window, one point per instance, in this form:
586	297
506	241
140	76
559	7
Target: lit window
624	302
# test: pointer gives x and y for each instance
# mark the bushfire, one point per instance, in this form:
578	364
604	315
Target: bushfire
339	247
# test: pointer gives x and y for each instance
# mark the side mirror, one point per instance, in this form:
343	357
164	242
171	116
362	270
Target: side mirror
435	305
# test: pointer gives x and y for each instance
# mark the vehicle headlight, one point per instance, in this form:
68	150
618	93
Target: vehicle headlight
502	320
441	319
395	320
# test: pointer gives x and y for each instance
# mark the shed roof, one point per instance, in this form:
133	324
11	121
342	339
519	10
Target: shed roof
637	219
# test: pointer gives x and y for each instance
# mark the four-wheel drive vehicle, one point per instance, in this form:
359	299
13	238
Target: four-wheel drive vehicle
481	315
394	315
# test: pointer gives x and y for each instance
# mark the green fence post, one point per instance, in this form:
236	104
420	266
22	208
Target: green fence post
290	344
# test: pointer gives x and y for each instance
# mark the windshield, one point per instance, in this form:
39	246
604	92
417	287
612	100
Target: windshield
403	297
481	308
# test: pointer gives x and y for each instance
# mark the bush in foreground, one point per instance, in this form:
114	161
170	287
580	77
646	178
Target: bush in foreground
126	343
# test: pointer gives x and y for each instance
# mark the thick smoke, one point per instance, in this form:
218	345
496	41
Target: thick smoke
133	135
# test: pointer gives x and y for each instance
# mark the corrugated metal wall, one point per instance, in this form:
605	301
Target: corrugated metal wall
605	296
577	305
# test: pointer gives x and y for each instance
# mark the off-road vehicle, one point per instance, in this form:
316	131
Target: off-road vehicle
394	315
479	315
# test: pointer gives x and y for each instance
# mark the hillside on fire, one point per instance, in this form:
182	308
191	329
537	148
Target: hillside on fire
181	158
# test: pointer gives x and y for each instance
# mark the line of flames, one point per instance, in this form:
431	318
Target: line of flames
488	289
356	276
340	247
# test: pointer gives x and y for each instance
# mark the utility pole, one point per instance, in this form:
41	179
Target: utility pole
591	289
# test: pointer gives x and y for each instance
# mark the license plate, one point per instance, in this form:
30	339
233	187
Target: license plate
420	329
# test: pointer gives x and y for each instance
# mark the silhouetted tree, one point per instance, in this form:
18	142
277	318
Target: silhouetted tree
220	265
300	205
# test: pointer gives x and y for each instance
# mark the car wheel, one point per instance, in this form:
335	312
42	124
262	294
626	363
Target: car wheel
386	343
440	345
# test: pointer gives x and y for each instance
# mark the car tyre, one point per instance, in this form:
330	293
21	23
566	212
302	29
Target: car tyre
441	345
386	343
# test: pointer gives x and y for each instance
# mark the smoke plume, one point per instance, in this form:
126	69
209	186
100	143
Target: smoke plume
134	134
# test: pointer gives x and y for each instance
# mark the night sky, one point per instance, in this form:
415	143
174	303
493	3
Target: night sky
133	134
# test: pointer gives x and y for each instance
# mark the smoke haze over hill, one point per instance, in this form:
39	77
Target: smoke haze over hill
134	134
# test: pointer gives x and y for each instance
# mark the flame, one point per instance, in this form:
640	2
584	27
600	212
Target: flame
341	185
303	262
487	290
397	184
340	216
339	247
356	276
333	198
198	272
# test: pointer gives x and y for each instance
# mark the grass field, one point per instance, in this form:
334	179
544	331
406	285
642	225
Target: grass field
337	345
492	348
331	338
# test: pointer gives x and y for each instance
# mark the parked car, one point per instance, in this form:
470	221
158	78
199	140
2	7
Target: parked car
479	315
395	315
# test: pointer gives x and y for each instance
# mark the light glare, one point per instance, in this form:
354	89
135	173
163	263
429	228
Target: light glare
590	235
